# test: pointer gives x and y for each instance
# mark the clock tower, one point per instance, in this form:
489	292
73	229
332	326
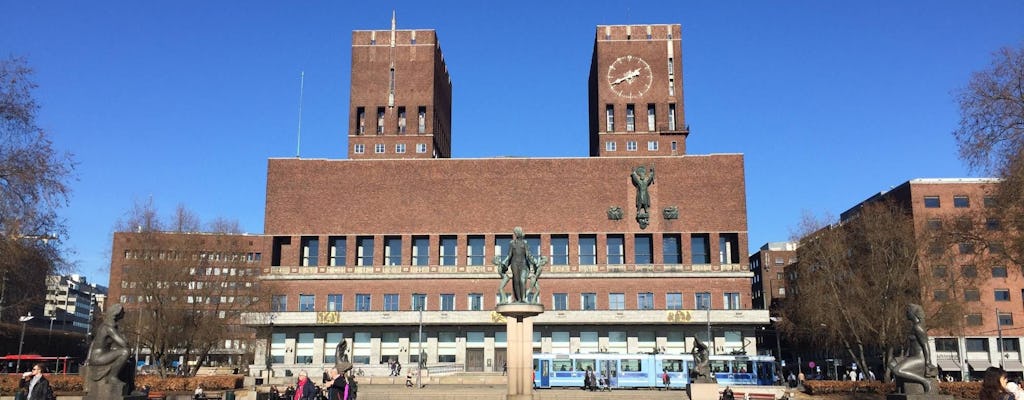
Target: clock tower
636	92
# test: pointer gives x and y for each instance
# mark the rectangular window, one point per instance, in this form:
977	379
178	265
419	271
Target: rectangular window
421	148
652	145
966	248
420	250
650	117
421	119
732	301
939	271
993	224
630	118
338	249
616	301
364	250
631	145
728	248
1005	319
501	243
401	120
559	250
447	302
476	301
307	302
609	145
932	202
933	224
989	201
999	272
645	301
670	252
330	344
362	302
615	249
279	303
380	120
642	251
609	118
391	302
310	248
588	301
475	250
360	120
419	301
359	148
335	302
378	148
702	300
671	117
588	249
1002	295
961	201
674	301
446	251
969	271
400	148
996	248
277	347
700	248
973	320
560	301
393	250
972	295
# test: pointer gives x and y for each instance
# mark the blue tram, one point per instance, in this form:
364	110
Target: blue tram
645	370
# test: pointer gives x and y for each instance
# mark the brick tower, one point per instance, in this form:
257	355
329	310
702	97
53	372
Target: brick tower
636	92
401	96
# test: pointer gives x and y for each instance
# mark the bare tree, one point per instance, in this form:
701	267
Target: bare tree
184	289
854	281
33	186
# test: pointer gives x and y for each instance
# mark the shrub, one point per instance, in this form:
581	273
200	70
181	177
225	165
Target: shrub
73	383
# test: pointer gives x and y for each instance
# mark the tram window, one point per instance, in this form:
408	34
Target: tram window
719	366
742	367
630	365
673	365
584	364
561	365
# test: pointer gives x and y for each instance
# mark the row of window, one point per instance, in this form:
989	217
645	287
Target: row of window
381	148
400	126
973	294
652	145
975	344
586	247
965	223
969	271
631	117
475	302
959	201
250	257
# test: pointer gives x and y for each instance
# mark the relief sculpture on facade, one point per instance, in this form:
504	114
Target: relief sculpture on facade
643	178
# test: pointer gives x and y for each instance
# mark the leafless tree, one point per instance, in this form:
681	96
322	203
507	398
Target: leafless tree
34	179
184	289
854	281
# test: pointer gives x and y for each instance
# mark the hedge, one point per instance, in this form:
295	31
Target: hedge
73	383
962	390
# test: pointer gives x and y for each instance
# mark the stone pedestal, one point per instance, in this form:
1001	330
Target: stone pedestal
702	391
519	325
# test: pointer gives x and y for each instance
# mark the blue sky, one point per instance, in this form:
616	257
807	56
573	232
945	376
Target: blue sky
184	101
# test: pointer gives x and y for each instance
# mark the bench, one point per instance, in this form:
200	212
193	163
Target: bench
753	396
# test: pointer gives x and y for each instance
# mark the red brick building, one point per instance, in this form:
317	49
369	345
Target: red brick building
356	247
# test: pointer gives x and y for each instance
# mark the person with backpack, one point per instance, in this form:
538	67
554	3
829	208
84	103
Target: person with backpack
36	385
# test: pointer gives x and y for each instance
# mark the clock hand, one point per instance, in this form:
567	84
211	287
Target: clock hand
627	77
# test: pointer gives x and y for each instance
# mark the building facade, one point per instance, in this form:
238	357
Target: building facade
768	265
71	302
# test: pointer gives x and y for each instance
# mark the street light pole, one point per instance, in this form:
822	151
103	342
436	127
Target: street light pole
24	320
999	327
419	357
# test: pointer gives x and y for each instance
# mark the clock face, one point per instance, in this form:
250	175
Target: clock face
630	77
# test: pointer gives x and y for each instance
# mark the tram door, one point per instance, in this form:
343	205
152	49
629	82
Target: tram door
544	372
610	369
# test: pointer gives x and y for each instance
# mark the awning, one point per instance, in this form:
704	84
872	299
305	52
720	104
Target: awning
1013	365
979	365
948	365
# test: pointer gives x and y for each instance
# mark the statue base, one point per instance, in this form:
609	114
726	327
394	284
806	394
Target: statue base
519	353
922	396
703	391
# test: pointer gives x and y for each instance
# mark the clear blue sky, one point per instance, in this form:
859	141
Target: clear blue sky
184	101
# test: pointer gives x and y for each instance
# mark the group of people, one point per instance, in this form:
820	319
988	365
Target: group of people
336	386
395	367
593	381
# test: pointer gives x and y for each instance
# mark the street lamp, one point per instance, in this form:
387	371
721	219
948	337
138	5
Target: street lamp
23	320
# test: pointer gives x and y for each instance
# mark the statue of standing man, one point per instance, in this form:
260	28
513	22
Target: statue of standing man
522	268
643	179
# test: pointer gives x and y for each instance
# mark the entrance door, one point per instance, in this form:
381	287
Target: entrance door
475	360
499	360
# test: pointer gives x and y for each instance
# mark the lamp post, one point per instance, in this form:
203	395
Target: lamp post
50	332
419	357
24	320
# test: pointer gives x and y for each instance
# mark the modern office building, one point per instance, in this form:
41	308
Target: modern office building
71	302
768	265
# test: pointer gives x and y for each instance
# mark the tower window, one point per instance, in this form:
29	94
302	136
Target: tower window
359	148
421	118
609	118
401	120
380	120
671	117
652	145
421	147
400	148
378	148
650	117
360	120
631	145
609	145
630	118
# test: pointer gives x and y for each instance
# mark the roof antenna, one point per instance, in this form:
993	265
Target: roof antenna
298	140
